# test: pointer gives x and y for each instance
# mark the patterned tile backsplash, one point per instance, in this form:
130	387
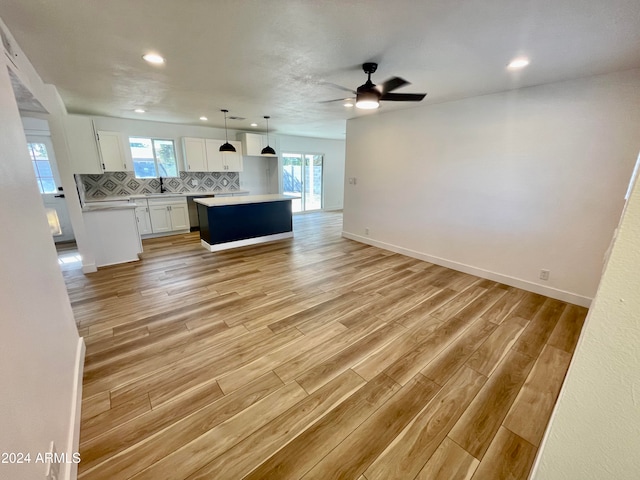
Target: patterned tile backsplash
125	183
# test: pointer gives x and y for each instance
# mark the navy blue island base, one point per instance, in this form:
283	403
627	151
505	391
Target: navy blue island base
231	222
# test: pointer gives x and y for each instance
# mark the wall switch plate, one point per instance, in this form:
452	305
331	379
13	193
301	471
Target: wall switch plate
544	274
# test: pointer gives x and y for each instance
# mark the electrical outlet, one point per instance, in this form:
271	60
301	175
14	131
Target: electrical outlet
352	181
194	182
366	231
544	274
53	467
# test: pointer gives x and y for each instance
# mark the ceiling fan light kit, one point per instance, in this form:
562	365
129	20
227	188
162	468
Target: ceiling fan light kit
226	147
367	100
369	95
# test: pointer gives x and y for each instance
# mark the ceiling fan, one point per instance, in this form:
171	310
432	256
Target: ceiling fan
369	95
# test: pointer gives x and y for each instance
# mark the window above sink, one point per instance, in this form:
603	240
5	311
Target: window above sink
153	157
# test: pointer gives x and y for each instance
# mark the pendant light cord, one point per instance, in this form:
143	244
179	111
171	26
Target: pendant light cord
226	138
267	118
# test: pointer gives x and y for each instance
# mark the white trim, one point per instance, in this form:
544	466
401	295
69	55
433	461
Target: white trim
89	268
76	410
165	234
461	267
243	243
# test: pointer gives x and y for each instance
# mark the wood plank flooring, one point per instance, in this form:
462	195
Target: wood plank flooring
316	357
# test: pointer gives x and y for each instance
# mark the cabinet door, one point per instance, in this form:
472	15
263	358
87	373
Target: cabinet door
253	143
160	218
215	161
83	149
179	217
111	152
233	161
144	221
195	154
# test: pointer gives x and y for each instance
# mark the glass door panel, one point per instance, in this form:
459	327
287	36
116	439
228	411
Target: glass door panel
313	182
302	176
292	178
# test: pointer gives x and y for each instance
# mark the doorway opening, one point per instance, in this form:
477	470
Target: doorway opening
302	176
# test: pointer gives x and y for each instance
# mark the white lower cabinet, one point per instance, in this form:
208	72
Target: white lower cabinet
162	215
144	221
160	218
179	216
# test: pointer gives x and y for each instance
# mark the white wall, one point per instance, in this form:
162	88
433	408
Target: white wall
594	432
501	185
39	344
333	164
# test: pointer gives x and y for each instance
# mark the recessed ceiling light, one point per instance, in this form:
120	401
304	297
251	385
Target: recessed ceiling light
254	124
153	58
204	119
348	104
139	110
518	63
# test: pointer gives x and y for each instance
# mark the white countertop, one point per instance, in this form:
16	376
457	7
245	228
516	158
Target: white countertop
108	205
119	198
243	199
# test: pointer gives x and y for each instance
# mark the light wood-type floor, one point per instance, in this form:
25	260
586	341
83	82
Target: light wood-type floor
317	358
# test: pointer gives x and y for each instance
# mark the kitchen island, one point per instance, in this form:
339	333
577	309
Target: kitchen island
231	222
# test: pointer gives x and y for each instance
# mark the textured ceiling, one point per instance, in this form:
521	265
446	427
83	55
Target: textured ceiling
273	57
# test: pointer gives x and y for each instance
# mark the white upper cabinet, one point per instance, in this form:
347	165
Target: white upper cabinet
214	156
218	161
253	143
204	155
83	149
195	154
112	152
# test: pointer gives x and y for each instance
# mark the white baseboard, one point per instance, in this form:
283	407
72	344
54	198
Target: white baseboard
89	268
558	294
243	243
71	472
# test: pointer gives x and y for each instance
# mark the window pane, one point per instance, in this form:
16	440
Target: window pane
144	165
141	148
144	169
44	168
38	151
48	185
166	157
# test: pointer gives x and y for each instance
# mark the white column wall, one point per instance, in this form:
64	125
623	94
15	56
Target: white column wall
501	185
594	433
40	350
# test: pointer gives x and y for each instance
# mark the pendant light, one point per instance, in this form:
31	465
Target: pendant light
226	146
268	150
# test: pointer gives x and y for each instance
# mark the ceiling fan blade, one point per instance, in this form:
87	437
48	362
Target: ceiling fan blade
339	87
391	84
335	100
403	97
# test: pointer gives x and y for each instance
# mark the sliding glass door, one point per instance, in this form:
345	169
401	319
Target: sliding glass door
302	176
